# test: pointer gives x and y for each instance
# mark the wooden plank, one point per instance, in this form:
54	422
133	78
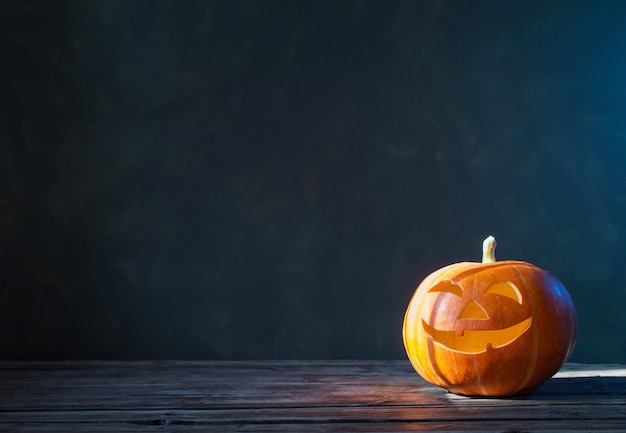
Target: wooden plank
321	414
291	396
484	427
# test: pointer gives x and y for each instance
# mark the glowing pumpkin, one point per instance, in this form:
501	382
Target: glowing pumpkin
490	328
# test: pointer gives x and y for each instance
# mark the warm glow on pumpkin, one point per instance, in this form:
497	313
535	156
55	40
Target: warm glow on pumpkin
490	328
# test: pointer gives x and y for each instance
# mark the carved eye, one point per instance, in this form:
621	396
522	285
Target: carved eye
505	288
447	286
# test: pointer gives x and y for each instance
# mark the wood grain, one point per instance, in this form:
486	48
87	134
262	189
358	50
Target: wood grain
280	396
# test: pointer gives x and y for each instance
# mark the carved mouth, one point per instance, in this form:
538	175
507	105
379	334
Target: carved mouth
474	341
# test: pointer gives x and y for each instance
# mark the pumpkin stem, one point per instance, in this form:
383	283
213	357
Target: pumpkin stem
489	250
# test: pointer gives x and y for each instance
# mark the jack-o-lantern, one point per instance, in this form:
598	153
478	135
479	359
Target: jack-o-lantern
490	328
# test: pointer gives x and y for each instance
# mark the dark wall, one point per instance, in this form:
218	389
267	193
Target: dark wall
272	179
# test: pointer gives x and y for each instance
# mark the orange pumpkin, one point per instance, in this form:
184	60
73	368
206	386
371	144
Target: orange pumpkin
490	328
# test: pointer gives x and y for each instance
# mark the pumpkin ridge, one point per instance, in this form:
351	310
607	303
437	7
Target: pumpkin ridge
479	378
535	349
445	383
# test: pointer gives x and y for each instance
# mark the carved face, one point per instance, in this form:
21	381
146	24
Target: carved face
478	318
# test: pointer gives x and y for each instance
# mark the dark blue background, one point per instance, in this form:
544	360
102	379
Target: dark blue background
272	179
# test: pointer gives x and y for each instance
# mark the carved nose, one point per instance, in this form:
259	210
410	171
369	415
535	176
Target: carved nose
473	311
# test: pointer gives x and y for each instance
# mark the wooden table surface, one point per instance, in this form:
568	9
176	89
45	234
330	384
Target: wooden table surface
291	396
